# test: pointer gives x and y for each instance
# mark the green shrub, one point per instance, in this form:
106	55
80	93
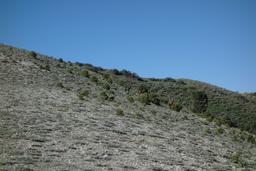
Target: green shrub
207	131
106	86
138	115
223	120
119	112
33	54
199	102
130	99
116	72
103	95
144	98
94	79
107	78
45	67
82	94
154	99
235	157
79	64
60	85
111	98
219	130
174	106
84	73
251	139
143	89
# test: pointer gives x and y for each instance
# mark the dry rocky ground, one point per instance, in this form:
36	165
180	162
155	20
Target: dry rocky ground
48	127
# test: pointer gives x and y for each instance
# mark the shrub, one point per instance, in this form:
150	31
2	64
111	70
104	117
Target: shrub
60	85
94	79
154	99
174	106
138	115
104	95
45	67
235	157
106	86
129	74
199	102
60	60
107	78
79	64
111	97
116	72
144	98
251	139
130	99
119	112
33	54
169	79
83	94
143	89
70	71
219	130
84	73
223	120
207	131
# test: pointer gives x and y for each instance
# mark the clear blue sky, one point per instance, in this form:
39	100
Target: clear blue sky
207	40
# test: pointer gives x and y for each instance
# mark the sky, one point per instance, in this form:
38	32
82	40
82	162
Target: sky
208	40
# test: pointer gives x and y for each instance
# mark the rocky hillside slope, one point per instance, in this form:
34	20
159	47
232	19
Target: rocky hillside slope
57	115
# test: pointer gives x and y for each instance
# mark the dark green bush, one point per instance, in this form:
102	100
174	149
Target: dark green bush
199	102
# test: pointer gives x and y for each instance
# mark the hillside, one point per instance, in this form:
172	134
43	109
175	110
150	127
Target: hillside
58	115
